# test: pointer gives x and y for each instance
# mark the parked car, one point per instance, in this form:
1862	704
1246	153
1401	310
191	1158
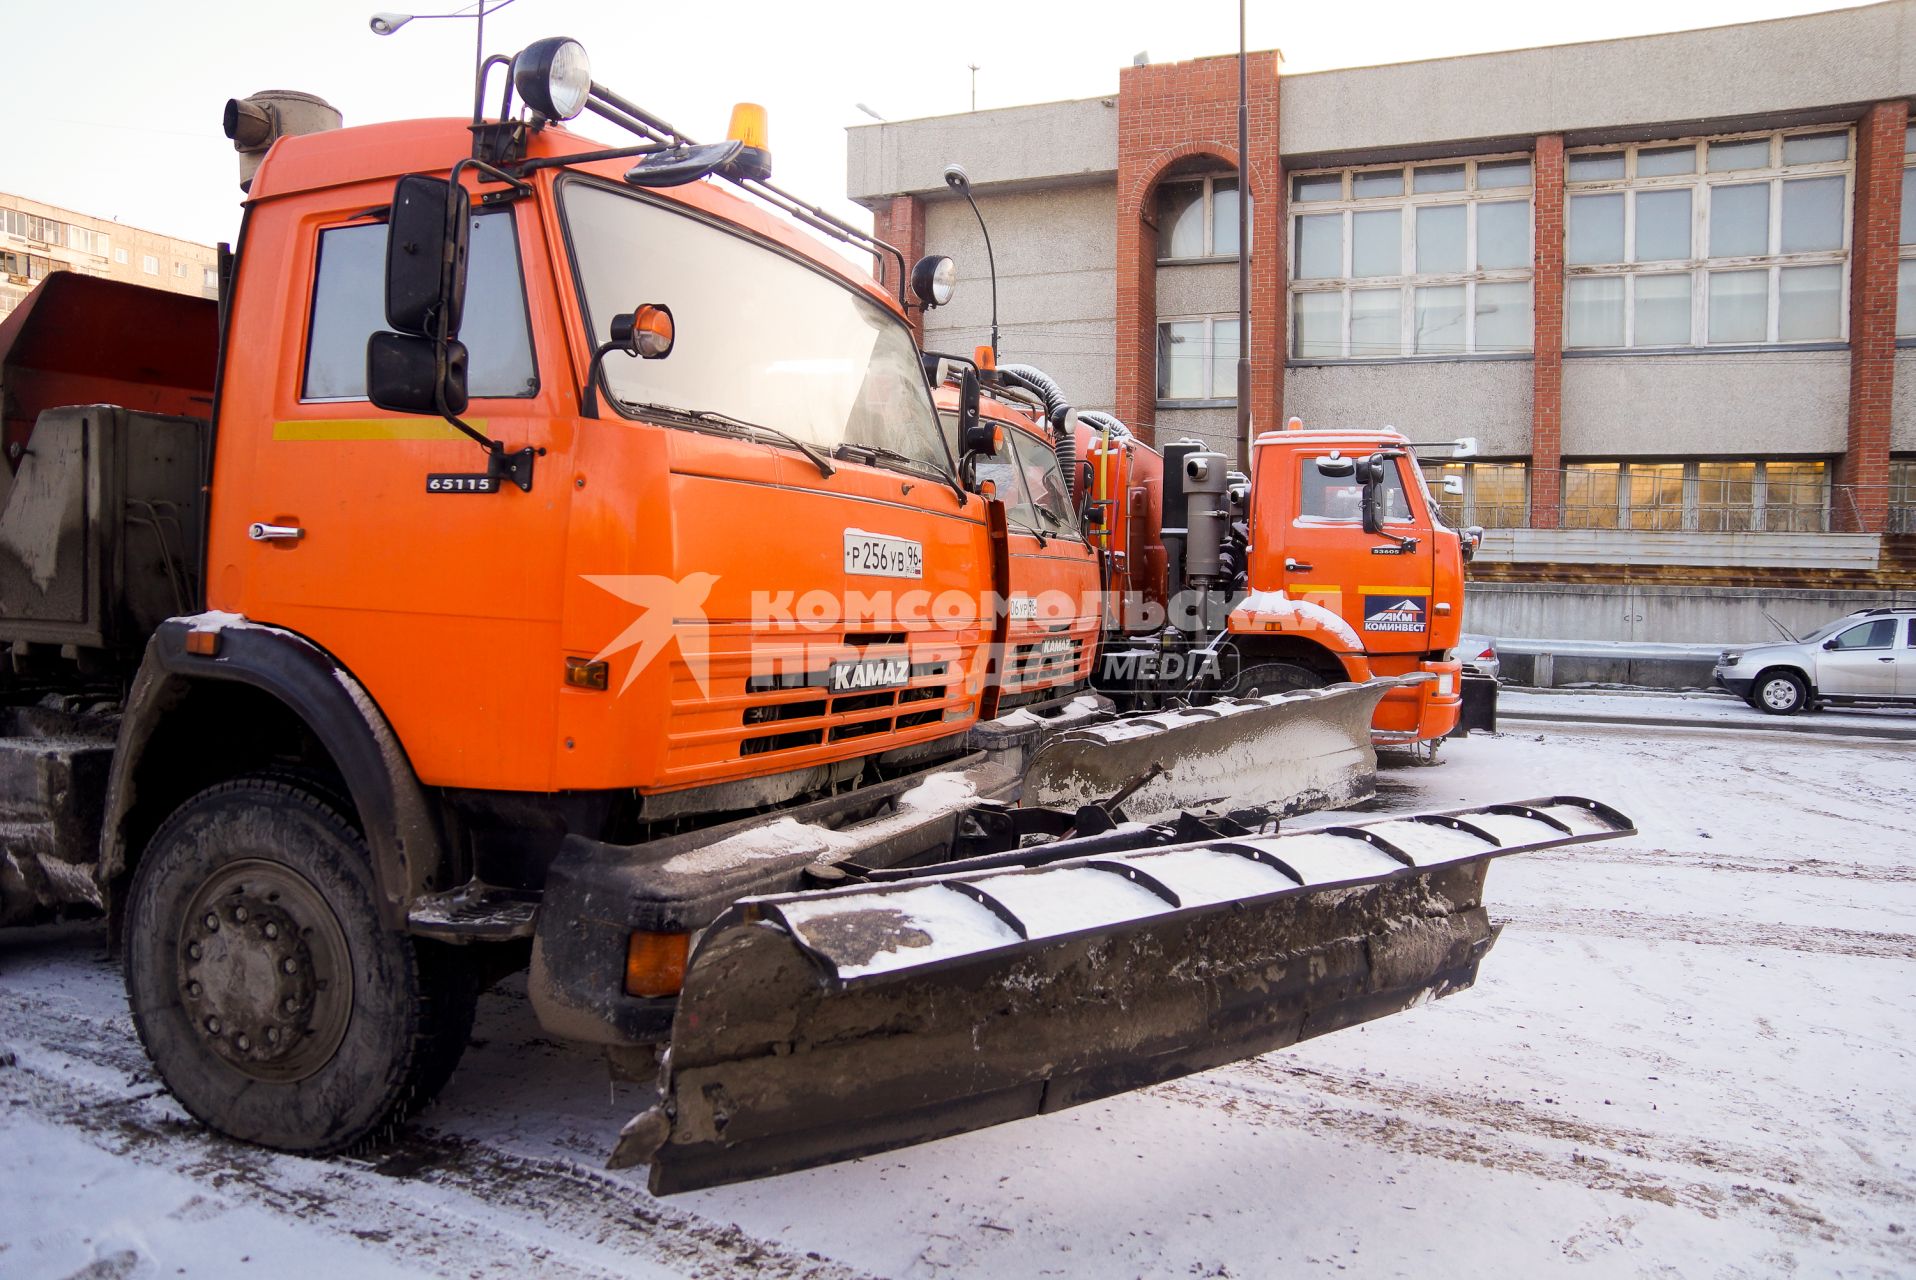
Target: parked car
1478	654
1868	656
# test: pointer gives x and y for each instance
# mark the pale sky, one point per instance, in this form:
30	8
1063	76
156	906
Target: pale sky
116	113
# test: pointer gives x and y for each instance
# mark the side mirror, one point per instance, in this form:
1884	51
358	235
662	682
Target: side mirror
1473	540
1335	467
1370	473
1830	643
1466	447
974	437
1454	486
410	374
426	242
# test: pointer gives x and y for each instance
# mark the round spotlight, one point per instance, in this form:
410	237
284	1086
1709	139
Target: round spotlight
933	280
957	179
384	24
553	76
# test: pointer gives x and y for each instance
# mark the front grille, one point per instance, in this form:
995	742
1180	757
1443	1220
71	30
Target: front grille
1053	658
862	703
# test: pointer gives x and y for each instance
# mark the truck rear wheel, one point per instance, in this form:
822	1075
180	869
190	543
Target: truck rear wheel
275	1005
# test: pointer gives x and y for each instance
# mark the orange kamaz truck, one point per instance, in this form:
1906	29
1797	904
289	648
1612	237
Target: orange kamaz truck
547	553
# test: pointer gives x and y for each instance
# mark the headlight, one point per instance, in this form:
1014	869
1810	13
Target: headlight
553	76
933	280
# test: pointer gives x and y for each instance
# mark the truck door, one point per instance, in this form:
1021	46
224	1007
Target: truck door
1859	661
1381	588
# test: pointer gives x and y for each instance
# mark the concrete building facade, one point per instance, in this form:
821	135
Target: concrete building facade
38	238
1668	283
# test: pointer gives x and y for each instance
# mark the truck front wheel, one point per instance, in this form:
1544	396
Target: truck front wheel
275	1005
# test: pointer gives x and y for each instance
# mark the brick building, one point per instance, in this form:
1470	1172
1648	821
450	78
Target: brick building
37	238
1668	283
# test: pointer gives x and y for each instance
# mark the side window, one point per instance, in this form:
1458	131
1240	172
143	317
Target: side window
1910	639
1880	634
349	307
1044	482
1323	497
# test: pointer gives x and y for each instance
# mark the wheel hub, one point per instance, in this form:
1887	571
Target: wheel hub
264	974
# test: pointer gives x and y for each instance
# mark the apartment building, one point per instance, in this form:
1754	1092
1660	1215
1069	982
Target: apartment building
38	238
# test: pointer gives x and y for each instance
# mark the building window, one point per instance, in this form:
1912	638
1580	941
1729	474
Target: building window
1197	358
1496	494
150	264
1712	242
119	256
30	227
1902	495
1412	260
1906	269
1197	218
209	278
179	271
1704	497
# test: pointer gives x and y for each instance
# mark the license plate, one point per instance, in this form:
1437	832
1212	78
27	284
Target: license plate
878	555
869	673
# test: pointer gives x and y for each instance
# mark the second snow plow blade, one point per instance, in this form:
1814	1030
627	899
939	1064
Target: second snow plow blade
815	1027
1285	753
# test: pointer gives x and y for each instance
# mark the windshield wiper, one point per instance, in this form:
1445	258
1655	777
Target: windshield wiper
751	429
851	451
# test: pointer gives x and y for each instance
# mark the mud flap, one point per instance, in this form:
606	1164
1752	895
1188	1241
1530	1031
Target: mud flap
815	1027
1284	753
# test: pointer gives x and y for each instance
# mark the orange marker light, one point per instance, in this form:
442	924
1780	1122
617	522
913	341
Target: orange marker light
204	644
654	331
582	673
655	963
985	358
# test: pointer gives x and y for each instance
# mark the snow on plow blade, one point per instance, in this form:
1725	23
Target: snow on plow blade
815	1027
1286	753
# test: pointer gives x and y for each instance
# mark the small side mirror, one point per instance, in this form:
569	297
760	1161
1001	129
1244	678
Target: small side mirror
426	242
1830	643
974	437
1335	467
1454	486
410	374
1465	447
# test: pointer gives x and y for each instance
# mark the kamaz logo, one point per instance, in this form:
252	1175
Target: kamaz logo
872	673
1050	648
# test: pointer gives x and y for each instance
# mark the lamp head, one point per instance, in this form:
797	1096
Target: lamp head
384	24
957	179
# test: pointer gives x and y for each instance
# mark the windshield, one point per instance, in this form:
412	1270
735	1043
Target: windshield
760	337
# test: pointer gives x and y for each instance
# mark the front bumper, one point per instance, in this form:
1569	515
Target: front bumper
598	894
1727	678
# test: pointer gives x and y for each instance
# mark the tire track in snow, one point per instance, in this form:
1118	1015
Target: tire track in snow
1703	1176
1734	863
555	1200
1605	922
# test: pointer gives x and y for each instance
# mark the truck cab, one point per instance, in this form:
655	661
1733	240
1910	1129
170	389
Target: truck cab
1053	602
1342	521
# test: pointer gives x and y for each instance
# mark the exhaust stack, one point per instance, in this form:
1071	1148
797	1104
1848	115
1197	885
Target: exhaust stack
255	123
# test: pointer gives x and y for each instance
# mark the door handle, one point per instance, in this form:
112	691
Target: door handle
1296	566
259	532
1886	659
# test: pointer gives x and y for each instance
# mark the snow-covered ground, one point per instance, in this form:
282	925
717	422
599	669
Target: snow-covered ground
1690	1054
1698	706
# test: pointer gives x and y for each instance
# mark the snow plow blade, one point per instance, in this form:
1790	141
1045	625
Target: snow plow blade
815	1027
1281	754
